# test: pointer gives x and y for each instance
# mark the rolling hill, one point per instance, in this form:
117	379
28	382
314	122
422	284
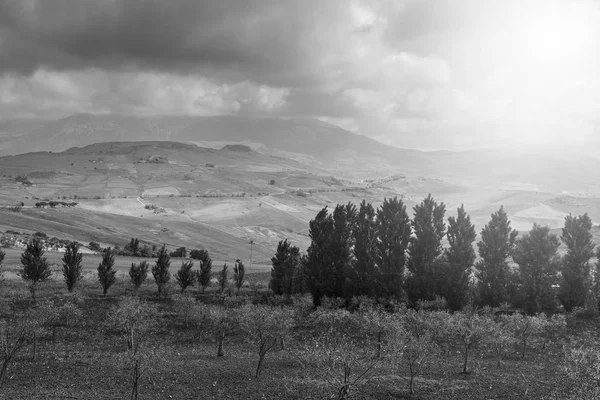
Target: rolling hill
181	194
258	178
322	145
307	136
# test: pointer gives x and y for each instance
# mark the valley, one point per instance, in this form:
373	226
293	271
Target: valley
264	187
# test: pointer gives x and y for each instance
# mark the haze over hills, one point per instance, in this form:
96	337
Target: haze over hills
182	194
221	181
532	167
308	136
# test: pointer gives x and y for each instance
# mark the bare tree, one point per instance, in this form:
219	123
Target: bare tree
220	321
264	327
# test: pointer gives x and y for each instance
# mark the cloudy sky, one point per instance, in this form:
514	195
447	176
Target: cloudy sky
413	73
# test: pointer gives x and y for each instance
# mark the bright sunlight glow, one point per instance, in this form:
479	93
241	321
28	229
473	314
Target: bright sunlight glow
542	55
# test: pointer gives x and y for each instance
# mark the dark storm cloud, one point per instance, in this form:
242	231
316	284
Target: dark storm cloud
309	103
267	41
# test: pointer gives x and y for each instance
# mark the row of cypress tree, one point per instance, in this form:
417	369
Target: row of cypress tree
384	253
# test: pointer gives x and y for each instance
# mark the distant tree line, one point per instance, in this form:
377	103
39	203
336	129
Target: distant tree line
384	254
53	204
35	269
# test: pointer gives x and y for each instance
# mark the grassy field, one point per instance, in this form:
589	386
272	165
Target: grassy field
87	361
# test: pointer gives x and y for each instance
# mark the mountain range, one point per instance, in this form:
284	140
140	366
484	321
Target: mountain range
324	143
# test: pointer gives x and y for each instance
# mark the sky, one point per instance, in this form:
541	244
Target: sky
429	74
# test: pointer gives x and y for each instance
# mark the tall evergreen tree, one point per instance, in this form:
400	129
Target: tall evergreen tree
344	223
36	269
2	255
459	258
424	249
496	245
205	272
575	269
319	268
363	274
72	268
223	278
285	268
239	271
596	277
537	257
160	270
106	272
393	232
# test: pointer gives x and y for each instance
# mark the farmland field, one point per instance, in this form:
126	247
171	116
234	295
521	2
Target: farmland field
87	360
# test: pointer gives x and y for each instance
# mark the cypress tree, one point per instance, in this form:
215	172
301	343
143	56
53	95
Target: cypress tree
205	272
363	271
393	232
160	270
285	267
537	257
319	268
459	258
72	268
106	272
575	269
496	245
239	271
36	269
424	250
344	224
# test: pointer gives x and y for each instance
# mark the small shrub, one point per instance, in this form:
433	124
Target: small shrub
94	246
106	272
205	272
220	321
2	255
524	328
36	269
185	305
469	328
131	317
138	273
414	346
54	315
72	268
181	252
160	270
264	327
338	350
185	276
222	278
239	271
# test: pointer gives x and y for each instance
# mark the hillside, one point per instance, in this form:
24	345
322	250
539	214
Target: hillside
167	192
306	136
182	194
324	146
